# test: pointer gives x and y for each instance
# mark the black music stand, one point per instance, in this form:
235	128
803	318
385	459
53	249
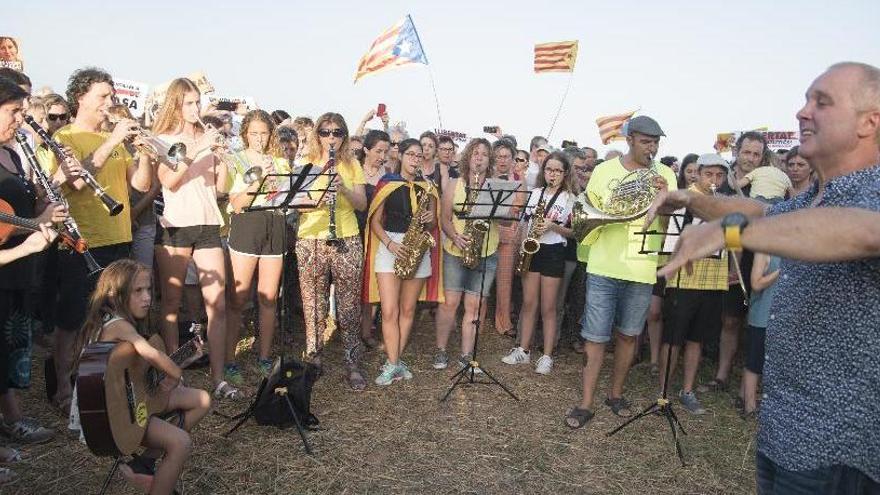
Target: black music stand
488	211
288	197
662	406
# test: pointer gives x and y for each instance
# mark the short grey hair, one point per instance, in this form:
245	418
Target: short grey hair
574	153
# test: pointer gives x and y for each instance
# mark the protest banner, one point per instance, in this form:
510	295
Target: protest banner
132	94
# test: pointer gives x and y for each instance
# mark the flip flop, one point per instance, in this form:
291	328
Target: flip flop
576	417
620	407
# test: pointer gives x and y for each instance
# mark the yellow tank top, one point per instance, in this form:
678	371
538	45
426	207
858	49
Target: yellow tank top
459	197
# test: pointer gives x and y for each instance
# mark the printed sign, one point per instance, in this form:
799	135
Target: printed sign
776	140
455	135
132	94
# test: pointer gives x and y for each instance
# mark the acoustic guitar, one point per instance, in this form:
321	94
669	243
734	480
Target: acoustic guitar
118	391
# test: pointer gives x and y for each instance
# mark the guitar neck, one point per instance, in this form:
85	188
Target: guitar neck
179	356
25	223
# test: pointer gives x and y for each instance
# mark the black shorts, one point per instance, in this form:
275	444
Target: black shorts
195	236
549	261
690	315
755	349
733	304
659	288
75	284
257	233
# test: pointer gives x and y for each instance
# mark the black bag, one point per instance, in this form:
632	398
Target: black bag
271	408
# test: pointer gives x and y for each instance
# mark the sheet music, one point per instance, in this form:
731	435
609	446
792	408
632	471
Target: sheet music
673	232
489	196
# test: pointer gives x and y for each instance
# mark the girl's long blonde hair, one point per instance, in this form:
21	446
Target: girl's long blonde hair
169	118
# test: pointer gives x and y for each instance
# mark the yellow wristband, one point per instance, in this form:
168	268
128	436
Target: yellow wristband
733	237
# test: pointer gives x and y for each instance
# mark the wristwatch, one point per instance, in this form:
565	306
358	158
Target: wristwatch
733	225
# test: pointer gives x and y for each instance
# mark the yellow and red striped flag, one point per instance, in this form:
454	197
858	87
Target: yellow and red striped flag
611	125
559	56
396	46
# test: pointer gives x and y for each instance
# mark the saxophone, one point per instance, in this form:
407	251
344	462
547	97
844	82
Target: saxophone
474	229
417	240
531	245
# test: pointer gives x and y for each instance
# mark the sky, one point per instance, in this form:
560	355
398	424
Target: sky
698	68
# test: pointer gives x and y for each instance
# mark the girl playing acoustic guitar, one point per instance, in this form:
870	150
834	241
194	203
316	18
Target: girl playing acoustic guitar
117	310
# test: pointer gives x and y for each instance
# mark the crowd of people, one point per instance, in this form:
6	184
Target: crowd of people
758	242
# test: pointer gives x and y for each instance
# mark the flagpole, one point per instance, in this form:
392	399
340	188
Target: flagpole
436	99
559	110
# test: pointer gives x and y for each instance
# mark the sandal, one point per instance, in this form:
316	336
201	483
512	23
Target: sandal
576	417
510	332
356	380
140	480
226	391
7	475
8	455
620	407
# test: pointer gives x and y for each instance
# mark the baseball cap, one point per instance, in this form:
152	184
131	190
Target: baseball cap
545	147
643	125
712	160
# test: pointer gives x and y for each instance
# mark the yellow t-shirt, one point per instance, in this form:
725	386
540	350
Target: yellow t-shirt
315	224
458	198
614	251
237	176
708	273
95	223
768	182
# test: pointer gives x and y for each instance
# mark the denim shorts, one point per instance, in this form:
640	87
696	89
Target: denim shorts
614	304
457	278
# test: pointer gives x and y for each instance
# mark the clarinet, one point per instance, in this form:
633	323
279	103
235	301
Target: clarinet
112	205
78	244
332	239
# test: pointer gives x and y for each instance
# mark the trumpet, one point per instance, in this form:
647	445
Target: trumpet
228	149
113	206
175	154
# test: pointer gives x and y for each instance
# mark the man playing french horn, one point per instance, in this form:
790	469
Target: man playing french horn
619	276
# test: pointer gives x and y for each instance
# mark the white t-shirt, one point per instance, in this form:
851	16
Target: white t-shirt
532	175
559	213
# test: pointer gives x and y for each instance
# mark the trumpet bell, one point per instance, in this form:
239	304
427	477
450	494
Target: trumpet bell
177	153
252	175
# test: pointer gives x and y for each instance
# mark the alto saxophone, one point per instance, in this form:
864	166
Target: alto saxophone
417	240
531	245
475	230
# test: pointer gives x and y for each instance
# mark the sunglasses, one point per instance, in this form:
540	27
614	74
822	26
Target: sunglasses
446	149
57	116
338	133
520	160
394	144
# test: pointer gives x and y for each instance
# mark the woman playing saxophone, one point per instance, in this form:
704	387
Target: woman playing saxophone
458	279
403	223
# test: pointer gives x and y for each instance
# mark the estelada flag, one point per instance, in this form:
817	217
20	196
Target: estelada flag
396	46
611	125
559	56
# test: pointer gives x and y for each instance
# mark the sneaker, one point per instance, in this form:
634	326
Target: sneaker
264	366
389	374
232	374
691	403
517	355
441	360
404	370
465	360
544	365
26	430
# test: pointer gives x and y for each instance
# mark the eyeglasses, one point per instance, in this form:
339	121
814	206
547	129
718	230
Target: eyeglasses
554	171
413	154
338	133
57	116
446	149
520	160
